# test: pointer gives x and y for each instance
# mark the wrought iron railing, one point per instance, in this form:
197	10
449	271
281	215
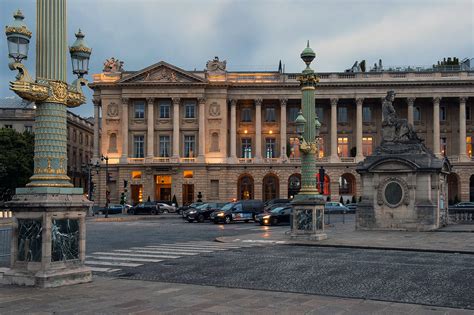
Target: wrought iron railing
5	240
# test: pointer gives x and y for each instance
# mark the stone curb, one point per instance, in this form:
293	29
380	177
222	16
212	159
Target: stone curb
131	218
293	243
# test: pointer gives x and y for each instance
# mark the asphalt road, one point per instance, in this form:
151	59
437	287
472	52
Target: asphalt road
413	277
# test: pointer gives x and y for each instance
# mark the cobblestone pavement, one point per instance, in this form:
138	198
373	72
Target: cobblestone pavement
118	296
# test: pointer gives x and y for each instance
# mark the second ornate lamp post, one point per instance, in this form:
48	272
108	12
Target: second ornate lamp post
48	234
308	204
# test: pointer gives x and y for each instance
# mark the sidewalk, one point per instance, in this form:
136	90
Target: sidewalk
454	238
127	218
118	296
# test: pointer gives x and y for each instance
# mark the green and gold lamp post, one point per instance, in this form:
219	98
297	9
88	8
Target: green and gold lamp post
48	239
308	204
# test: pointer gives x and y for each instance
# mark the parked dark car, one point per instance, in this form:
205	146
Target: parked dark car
271	204
112	209
183	208
244	210
352	207
203	212
279	215
335	207
148	207
463	205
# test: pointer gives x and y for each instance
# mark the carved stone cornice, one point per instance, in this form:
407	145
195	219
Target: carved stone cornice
258	102
233	102
334	101
125	100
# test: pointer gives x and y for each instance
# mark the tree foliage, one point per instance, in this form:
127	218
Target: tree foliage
16	161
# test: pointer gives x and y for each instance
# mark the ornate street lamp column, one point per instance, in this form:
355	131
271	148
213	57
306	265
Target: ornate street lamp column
48	241
308	204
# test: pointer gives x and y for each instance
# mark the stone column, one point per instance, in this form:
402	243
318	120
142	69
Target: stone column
436	135
233	130
96	152
334	157
150	137
176	102
202	129
462	129
124	157
283	155
359	154
410	103
258	129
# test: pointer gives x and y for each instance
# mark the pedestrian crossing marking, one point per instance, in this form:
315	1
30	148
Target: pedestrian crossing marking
136	254
133	257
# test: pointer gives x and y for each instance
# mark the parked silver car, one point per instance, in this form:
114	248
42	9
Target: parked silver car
165	208
335	207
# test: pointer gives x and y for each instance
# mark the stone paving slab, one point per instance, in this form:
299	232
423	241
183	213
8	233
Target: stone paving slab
454	239
119	296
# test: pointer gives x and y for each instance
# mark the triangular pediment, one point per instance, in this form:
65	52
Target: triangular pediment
162	72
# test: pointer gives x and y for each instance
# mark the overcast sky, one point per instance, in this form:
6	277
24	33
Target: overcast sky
256	33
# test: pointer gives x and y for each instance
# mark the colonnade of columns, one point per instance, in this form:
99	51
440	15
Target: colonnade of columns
333	157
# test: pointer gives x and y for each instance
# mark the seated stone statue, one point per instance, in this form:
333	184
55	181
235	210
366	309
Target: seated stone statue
395	129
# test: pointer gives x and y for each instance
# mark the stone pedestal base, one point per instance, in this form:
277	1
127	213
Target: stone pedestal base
308	217
49	278
309	237
48	237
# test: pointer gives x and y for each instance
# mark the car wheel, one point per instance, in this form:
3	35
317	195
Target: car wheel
274	221
131	212
153	212
165	211
227	220
200	218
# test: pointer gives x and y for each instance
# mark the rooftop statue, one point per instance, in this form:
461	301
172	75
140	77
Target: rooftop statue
395	129
216	65
113	65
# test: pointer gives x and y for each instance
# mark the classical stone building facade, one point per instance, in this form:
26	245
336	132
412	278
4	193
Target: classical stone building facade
168	131
19	114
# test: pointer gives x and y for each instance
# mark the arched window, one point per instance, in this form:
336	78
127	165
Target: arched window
270	187
245	187
347	184
113	143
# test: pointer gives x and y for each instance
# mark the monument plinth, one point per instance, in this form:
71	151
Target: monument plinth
48	232
404	185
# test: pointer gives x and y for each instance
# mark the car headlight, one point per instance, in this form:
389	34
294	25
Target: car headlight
191	212
266	217
220	214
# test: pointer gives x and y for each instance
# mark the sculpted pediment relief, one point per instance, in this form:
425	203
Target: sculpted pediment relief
162	73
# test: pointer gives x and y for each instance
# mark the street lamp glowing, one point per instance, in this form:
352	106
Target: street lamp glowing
300	123
80	55
18	36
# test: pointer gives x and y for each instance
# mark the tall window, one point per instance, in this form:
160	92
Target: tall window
367	146
416	113
320	113
343	146
469	146
189	146
165	109
190	110
29	128
214	193
246	115
293	113
270	115
444	146
139	109
321	148
294	148
468	112
342	114
247	148
270	147
164	146
366	114
442	113
139	146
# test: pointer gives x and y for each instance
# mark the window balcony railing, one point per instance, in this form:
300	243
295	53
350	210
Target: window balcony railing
347	159
187	160
271	160
245	160
161	160
136	160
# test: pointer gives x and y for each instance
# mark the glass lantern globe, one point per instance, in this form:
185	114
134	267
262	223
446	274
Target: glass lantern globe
300	123
80	55
18	37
